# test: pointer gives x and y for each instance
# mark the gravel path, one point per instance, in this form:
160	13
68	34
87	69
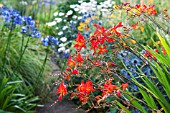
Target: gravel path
65	106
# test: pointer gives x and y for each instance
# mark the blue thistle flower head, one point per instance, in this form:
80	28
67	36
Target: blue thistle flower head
125	73
147	70
123	54
132	61
135	87
135	61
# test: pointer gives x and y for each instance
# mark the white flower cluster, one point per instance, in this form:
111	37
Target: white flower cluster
92	6
23	3
63	49
58	19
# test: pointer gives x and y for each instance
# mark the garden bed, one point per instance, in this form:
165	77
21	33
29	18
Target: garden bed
79	56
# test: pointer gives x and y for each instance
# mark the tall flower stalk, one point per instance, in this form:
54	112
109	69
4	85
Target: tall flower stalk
47	41
7	48
22	54
43	66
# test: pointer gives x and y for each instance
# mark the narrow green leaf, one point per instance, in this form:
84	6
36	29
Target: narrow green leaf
18	107
5	103
161	99
14	82
3	92
136	104
121	106
32	99
148	98
164	77
165	45
2	111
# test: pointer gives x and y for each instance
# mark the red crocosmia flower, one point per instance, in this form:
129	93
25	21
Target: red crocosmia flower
149	55
96	63
151	10
68	69
108	88
118	25
71	62
135	26
66	74
118	93
102	39
62	90
89	87
75	71
81	42
85	88
141	9
99	30
110	64
72	95
102	50
94	45
79	58
156	50
81	87
83	97
163	51
67	77
137	6
110	40
97	26
144	9
124	86
127	3
114	29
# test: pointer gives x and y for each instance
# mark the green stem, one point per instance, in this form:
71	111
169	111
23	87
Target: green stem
49	16
158	25
43	66
7	48
22	43
22	54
